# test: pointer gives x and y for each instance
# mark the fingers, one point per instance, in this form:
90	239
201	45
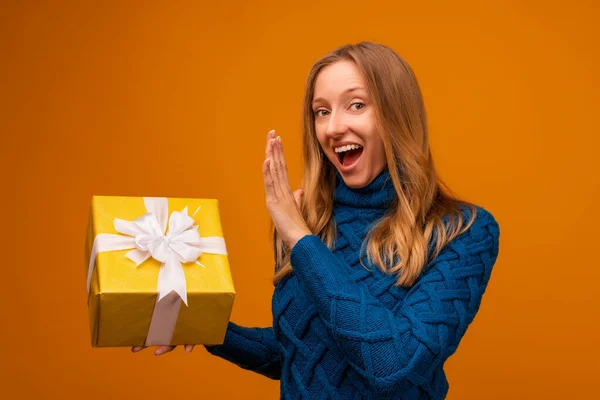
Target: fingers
279	172
280	159
189	348
270	136
160	350
275	170
267	175
269	183
163	349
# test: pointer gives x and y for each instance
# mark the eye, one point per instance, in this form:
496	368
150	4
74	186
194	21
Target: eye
320	113
358	105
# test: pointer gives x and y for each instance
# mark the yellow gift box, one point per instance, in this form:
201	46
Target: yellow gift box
155	239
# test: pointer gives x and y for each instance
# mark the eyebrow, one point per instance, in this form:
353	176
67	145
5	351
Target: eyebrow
349	90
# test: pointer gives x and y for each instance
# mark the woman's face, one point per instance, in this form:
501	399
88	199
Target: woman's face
345	124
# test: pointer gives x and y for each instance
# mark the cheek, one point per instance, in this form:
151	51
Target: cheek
381	149
382	160
321	138
377	146
366	125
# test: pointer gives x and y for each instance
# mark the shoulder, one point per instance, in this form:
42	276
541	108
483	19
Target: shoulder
478	245
469	258
479	222
484	223
480	239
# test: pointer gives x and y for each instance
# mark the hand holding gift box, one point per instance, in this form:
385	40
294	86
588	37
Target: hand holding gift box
141	268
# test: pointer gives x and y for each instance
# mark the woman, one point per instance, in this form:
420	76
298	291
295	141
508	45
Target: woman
379	269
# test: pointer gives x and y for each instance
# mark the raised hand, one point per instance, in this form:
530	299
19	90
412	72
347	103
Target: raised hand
283	205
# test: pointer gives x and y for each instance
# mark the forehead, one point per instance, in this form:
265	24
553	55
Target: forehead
336	78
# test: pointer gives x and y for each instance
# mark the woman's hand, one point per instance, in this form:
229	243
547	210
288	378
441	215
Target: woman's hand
163	349
283	205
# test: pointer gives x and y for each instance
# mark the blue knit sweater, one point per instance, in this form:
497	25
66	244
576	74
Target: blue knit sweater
341	331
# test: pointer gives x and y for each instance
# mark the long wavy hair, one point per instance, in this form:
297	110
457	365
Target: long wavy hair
400	242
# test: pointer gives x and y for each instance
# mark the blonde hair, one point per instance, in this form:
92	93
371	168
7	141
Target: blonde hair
399	243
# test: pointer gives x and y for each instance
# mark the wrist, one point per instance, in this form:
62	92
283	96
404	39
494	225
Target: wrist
295	238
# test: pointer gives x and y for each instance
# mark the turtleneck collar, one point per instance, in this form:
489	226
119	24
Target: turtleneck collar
379	194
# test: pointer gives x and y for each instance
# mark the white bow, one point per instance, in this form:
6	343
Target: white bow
146	236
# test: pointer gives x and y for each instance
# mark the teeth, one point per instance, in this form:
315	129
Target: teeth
346	148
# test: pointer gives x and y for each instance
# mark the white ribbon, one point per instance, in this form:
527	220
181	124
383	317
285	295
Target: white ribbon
146	236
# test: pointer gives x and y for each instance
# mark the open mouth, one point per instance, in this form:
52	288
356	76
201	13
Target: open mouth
348	155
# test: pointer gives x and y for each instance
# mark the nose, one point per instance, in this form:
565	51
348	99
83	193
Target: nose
336	126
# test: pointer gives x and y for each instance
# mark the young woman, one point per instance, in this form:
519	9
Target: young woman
379	269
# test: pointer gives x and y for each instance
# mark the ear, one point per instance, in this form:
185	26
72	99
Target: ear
298	196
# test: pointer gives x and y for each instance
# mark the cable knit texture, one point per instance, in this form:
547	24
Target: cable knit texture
341	331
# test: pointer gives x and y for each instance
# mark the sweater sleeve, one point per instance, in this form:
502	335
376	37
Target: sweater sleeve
392	348
254	349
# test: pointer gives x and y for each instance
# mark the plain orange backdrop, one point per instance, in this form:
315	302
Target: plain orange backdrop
147	98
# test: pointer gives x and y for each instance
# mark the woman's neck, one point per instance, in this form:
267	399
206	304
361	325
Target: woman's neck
380	193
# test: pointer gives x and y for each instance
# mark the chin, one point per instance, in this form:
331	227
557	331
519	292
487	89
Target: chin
356	181
362	177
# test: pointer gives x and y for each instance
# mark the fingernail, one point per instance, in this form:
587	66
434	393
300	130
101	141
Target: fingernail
272	131
278	138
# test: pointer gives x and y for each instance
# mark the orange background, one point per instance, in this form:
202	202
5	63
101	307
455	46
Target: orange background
149	99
